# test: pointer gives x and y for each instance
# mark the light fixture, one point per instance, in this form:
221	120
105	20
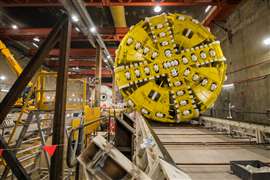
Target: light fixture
157	9
93	29
34	44
208	8
266	41
2	78
74	18
108	57
36	39
228	86
14	26
4	90
77	29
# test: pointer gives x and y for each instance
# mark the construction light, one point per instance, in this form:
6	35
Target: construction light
34	44
2	78
4	90
77	29
93	29
157	9
14	26
74	18
36	39
208	8
228	86
266	41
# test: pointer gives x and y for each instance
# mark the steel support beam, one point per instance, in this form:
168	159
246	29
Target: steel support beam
100	3
30	70
114	90
73	63
56	169
12	161
17	89
76	53
214	12
104	73
27	34
98	76
220	12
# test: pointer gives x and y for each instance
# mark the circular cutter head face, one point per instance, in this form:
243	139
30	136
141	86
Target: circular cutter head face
170	68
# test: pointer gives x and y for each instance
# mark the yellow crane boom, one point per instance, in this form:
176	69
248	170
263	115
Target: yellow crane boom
15	66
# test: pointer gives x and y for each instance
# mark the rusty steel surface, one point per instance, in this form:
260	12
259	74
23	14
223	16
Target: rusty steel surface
98	3
27	34
57	165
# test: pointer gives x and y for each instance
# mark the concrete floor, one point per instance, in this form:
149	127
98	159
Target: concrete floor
208	153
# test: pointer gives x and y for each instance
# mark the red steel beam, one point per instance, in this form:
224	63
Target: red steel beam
105	84
80	63
220	12
100	3
27	34
72	63
105	73
76	52
212	15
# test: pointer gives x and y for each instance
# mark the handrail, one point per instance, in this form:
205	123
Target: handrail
71	162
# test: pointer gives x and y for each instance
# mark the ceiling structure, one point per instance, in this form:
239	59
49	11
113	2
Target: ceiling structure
35	19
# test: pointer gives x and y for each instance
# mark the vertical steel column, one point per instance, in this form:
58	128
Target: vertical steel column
30	70
56	169
98	75
17	89
114	89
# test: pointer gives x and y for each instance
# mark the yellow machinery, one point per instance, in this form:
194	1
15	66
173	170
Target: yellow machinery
90	115
15	67
42	91
170	68
10	59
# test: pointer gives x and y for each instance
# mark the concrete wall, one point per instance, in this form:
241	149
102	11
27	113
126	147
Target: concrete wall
250	25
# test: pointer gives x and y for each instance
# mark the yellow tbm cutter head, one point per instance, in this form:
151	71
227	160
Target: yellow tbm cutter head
170	68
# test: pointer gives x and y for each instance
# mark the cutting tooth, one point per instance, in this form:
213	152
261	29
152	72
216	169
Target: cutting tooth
181	18
213	86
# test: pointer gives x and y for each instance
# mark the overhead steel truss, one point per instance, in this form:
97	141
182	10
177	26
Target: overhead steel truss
35	3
